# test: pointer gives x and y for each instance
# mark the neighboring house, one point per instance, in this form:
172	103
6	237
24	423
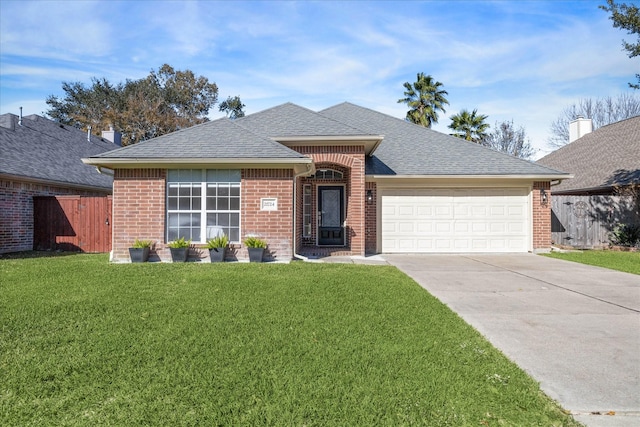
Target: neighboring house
346	180
605	164
39	157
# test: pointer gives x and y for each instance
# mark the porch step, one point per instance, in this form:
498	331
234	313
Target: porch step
321	252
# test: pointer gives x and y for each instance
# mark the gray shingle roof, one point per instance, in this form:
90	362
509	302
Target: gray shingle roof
288	120
44	150
406	149
409	149
221	139
607	156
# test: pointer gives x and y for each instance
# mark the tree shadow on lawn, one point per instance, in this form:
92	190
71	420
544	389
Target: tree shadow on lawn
37	254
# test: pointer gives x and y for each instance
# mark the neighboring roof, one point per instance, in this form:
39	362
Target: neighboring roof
410	149
46	151
608	156
218	139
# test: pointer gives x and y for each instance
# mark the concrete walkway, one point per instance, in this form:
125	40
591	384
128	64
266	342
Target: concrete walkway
572	327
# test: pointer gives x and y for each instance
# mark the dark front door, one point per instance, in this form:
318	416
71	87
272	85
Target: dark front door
331	216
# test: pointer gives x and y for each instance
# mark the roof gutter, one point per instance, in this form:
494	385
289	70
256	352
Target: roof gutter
297	164
555	177
136	161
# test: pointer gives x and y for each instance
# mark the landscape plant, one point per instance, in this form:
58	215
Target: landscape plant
255	248
220	241
179	243
179	249
141	244
255	242
217	247
139	250
626	235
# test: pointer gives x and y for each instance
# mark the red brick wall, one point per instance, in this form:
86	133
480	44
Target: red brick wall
16	211
351	158
276	227
371	239
541	216
139	212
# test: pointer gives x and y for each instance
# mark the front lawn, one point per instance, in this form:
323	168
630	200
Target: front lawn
615	260
88	343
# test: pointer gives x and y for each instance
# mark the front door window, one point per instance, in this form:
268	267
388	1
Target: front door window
331	216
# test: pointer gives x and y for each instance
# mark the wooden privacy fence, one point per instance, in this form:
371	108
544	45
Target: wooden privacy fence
586	222
72	223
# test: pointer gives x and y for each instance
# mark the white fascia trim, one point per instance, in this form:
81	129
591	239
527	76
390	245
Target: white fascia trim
371	142
380	178
302	164
137	162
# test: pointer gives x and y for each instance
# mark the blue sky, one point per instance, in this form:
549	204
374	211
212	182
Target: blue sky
512	60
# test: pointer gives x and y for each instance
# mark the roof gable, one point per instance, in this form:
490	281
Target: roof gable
608	156
410	149
290	120
45	150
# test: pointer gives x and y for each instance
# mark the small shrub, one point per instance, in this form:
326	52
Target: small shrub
180	243
255	242
626	235
141	244
220	241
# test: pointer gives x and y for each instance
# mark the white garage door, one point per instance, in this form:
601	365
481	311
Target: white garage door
455	220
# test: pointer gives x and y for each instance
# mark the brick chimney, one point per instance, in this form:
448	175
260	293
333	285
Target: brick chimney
579	128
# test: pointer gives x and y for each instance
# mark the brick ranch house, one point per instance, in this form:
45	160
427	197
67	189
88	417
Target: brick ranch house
345	180
41	158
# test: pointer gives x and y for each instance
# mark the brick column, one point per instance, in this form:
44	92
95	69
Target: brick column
541	216
274	226
371	237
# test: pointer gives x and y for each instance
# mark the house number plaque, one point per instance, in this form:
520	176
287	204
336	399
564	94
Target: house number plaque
269	204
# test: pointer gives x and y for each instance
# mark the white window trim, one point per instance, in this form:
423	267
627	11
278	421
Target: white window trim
203	206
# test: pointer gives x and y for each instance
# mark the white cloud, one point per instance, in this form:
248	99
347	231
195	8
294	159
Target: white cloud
54	29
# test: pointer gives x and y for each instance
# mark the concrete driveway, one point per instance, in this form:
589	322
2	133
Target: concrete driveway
572	327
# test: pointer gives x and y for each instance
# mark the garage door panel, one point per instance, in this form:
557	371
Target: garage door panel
424	211
455	220
406	211
406	227
424	227
515	227
479	227
443	227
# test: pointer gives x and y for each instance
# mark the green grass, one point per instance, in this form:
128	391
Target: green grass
622	261
88	343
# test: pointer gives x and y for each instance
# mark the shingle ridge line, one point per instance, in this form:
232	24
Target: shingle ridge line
79	134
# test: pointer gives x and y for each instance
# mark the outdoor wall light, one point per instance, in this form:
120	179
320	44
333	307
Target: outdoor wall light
369	197
543	196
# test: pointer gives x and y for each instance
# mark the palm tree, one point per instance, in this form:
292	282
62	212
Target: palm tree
424	98
470	126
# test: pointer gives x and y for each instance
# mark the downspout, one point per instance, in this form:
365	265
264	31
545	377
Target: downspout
103	172
308	172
